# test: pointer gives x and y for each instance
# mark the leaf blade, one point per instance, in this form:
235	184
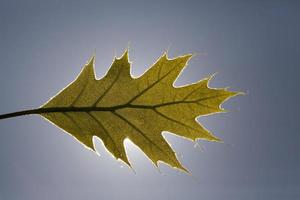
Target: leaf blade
119	107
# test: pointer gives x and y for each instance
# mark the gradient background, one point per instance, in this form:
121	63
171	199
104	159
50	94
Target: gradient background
254	47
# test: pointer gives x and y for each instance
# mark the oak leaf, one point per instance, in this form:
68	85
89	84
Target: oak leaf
119	107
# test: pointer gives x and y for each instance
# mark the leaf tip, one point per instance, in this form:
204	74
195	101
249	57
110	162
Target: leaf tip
164	56
92	60
88	71
125	55
211	137
177	166
126	162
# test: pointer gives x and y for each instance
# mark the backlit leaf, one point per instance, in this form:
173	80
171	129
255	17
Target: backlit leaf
119	107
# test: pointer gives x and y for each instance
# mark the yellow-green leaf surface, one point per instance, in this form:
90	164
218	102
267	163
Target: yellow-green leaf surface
119	107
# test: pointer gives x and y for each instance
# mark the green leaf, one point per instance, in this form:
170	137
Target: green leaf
119	107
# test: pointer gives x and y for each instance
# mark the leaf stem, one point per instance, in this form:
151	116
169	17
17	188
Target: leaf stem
21	113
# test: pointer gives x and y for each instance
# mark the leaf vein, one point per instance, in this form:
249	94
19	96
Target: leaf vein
105	130
107	90
175	121
139	131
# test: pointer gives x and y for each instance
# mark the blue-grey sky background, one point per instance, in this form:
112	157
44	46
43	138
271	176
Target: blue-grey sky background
254	47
